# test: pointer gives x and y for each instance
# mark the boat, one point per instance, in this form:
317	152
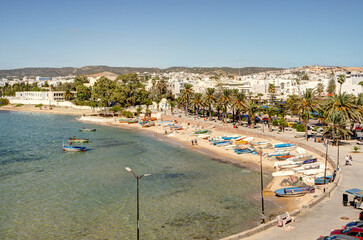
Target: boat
320	180
308	166
87	129
284	145
132	121
283	157
294	191
201	132
147	124
277	153
76	140
230	137
282	173
312	171
230	147
242	151
263	142
74	149
222	143
121	120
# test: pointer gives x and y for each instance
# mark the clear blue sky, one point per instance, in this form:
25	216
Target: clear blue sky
154	33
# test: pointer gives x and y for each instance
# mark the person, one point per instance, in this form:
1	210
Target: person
195	141
346	160
350	159
192	142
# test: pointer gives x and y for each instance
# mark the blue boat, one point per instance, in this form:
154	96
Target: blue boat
310	161
241	151
284	145
294	191
222	143
74	149
230	138
320	180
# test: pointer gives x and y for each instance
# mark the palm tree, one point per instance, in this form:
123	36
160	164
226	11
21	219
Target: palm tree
186	95
336	124
341	80
171	103
209	99
238	102
270	111
252	109
225	100
197	102
345	104
307	105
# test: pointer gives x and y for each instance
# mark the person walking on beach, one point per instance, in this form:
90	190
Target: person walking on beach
192	142
350	160
195	141
346	160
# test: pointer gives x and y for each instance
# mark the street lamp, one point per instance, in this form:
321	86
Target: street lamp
326	160
260	153
137	194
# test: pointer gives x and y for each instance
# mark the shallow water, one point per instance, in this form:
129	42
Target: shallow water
48	194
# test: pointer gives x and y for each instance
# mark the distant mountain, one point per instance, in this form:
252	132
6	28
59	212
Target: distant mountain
88	70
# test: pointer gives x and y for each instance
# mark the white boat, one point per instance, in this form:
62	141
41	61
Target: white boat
284	163
264	142
233	146
248	139
241	138
301	150
312	171
204	136
272	154
294	165
301	157
304	167
282	173
285	148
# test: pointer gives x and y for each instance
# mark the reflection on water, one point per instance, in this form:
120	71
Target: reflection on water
49	194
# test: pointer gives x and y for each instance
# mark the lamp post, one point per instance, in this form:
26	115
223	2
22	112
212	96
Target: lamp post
326	159
137	197
260	153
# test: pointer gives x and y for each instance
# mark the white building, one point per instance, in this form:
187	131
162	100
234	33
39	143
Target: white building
40	96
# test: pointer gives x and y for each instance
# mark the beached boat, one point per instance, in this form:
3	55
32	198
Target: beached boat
74	149
308	166
284	145
277	153
283	157
230	137
243	151
76	140
87	129
147	124
320	180
121	120
204	136
294	191
201	132
310	172
263	142
230	147
282	173
132	121
222	143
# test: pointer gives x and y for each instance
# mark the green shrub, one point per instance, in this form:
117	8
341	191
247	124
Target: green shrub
4	101
127	114
39	105
138	110
294	125
19	105
300	128
275	122
283	123
116	109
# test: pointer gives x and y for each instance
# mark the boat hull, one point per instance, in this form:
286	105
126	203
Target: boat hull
87	129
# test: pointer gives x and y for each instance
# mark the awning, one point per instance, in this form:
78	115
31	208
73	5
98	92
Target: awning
356	192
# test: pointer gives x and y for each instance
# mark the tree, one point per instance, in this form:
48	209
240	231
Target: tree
103	90
171	103
186	95
307	105
238	102
341	80
336	125
197	102
209	99
80	80
331	86
270	111
252	109
225	100
320	89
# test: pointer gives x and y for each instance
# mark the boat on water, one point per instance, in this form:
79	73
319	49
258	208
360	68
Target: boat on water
320	180
77	140
87	129
294	191
71	148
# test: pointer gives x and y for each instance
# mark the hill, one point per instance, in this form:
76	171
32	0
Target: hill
89	70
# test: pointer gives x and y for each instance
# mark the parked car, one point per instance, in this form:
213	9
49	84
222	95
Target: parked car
354	224
337	237
354	232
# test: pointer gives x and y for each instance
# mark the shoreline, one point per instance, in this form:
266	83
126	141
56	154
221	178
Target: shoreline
182	138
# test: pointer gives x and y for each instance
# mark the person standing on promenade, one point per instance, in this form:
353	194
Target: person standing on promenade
346	160
195	141
350	160
192	142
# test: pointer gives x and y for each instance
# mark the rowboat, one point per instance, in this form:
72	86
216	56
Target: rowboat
87	129
277	153
132	121
121	120
74	149
283	157
222	143
230	147
76	140
201	132
284	145
242	151
308	166
320	180
230	137
294	191
282	173
263	142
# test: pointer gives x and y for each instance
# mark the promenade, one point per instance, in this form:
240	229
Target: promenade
330	213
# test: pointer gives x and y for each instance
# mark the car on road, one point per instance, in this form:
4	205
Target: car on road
353	232
354	224
337	237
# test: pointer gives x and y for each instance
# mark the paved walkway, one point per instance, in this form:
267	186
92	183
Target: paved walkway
326	215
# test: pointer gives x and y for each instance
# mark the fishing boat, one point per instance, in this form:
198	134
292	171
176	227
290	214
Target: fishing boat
230	147
74	149
278	153
284	145
282	173
147	124
132	121
222	143
76	140
263	142
230	137
308	166
243	151
121	120
294	191
320	180
201	132
283	157
87	129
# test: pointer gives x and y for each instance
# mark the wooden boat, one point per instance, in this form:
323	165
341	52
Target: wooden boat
284	145
263	142
76	140
121	120
282	173
148	124
87	129
201	132
230	137
283	157
320	180
132	121
243	151
277	153
74	149
294	191
222	143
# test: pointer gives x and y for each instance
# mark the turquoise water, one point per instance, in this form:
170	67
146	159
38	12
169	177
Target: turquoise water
48	194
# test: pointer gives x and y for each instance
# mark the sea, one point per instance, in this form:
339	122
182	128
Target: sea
46	193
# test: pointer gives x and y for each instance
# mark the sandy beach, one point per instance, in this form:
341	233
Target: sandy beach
184	138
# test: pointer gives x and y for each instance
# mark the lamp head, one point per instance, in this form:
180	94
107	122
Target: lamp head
147	174
128	169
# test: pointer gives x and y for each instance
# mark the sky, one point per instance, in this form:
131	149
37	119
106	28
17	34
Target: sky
196	33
